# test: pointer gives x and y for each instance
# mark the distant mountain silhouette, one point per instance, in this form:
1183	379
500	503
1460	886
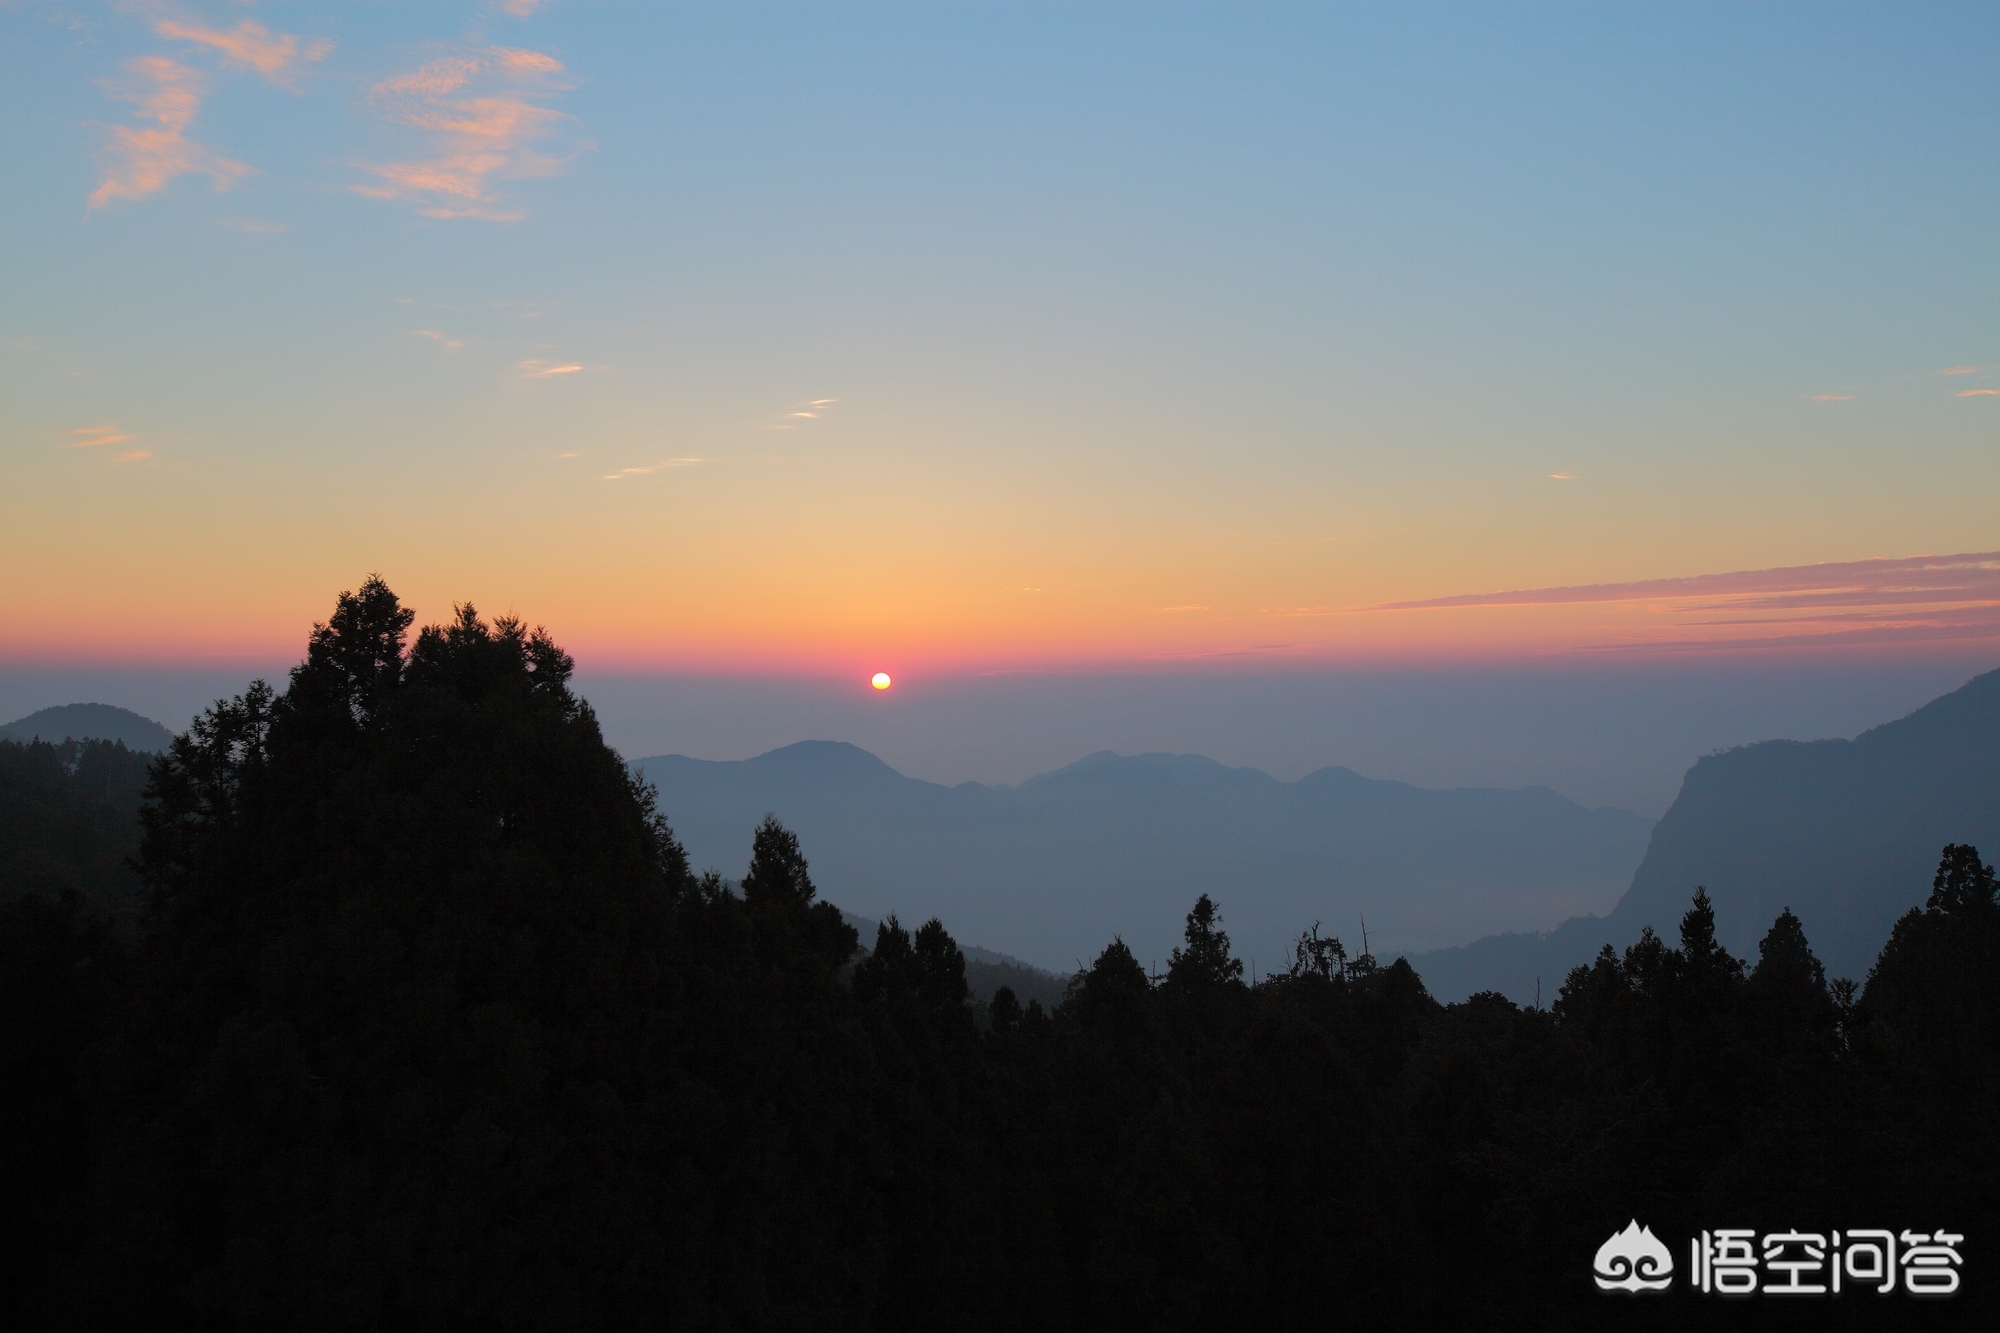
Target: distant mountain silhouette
93	722
1113	844
1845	833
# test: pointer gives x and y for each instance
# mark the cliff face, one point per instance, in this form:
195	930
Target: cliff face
1845	833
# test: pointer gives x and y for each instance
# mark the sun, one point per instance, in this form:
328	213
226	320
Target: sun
880	680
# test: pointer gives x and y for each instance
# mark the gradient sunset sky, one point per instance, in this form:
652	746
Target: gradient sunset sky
824	339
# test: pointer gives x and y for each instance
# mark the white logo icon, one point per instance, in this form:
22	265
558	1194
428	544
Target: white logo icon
1634	1260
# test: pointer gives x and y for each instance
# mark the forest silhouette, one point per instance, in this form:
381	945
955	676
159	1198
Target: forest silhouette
424	1021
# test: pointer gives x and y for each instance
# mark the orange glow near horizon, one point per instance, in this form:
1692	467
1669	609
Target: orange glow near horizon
1906	607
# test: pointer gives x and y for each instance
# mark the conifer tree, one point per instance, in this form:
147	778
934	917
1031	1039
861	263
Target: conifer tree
1114	973
413	898
1787	995
1004	1010
1702	956
940	966
777	870
1205	962
890	969
1932	1002
1962	885
1785	959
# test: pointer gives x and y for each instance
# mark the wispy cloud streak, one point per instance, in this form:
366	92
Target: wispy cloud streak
479	113
95	437
251	45
1915	599
663	466
144	159
811	410
1929	572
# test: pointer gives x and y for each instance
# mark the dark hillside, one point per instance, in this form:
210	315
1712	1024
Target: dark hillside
69	818
101	722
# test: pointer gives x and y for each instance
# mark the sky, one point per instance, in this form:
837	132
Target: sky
742	343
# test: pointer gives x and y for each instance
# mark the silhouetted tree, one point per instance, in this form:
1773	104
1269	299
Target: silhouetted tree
1788	989
1205	961
1003	1010
413	899
354	661
777	870
1932	1003
890	969
794	931
940	967
1702	959
1316	955
1115	974
1962	886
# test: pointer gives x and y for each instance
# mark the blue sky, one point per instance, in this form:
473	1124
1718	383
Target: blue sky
957	337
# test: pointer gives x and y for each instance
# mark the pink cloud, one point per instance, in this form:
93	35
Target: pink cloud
432	80
1928	572
525	62
1978	586
479	116
93	437
144	160
520	9
251	45
1980	393
1915	599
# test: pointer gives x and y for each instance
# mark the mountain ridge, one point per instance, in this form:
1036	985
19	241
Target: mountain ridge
1052	868
104	722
